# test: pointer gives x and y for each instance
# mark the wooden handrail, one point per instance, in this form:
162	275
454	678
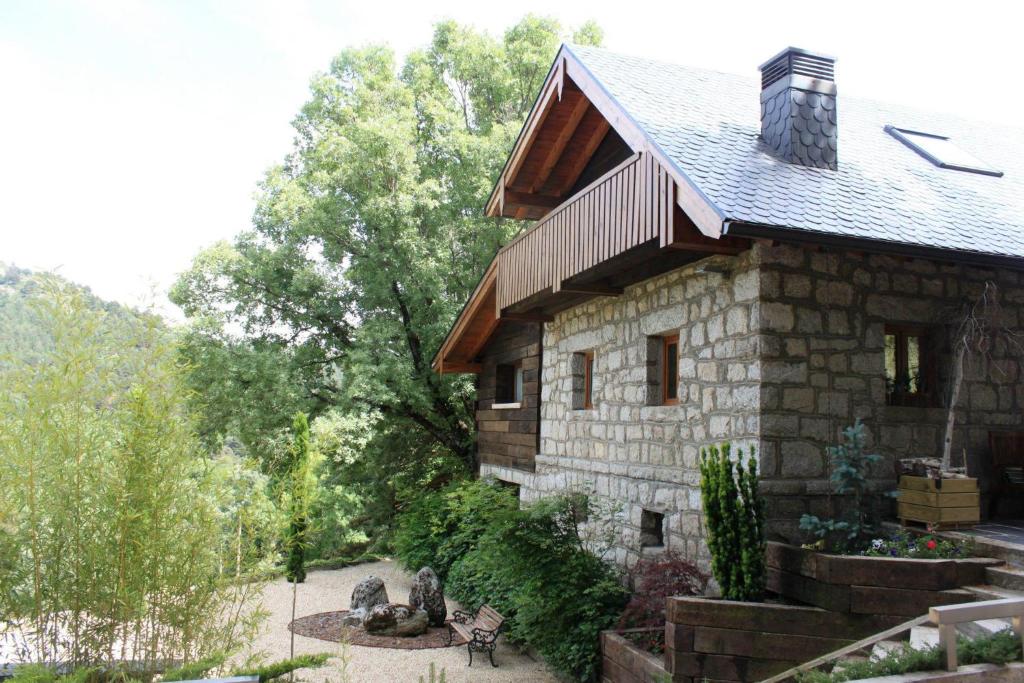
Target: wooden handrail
948	616
847	650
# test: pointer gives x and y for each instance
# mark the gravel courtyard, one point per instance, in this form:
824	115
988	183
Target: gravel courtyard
328	590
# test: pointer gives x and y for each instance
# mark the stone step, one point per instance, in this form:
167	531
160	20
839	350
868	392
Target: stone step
1011	553
1007	576
990	592
884	648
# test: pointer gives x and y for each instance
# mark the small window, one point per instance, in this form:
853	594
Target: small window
652	529
511	486
588	380
508	384
942	151
909	368
583	380
670	370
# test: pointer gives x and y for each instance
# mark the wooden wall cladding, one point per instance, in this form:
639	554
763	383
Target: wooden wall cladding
508	436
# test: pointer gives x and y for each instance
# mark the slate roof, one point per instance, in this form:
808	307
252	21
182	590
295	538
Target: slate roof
708	124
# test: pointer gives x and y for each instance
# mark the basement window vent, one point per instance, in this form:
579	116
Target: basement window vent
942	151
652	529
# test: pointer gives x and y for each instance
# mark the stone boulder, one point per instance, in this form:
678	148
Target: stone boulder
354	618
396	620
428	595
368	593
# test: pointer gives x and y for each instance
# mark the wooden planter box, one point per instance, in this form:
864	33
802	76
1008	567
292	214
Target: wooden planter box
943	503
894	587
722	640
623	662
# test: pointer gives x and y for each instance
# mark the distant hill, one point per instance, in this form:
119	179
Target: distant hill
22	333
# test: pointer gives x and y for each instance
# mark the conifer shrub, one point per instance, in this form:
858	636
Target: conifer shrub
298	522
734	517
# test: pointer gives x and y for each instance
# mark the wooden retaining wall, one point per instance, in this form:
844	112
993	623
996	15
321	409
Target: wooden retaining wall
624	662
721	640
894	587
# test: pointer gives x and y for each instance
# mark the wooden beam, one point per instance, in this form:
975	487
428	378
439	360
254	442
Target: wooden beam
598	290
454	367
550	94
580	162
482	341
540	201
555	153
529	317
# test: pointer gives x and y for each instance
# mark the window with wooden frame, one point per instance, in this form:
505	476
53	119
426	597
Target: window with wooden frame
670	370
508	383
911	373
588	380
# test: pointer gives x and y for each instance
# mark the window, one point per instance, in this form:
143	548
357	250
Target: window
941	151
511	486
508	384
583	380
652	529
588	380
909	366
670	370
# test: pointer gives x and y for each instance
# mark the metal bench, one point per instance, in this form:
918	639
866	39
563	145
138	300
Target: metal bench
480	630
946	618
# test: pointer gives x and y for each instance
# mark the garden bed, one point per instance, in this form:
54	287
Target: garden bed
623	661
854	584
749	641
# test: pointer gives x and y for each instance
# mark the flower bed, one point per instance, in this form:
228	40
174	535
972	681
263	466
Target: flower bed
624	661
899	587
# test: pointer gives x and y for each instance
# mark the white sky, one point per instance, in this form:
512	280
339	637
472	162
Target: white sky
133	134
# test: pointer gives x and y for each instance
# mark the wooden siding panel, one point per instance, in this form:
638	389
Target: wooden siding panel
626	207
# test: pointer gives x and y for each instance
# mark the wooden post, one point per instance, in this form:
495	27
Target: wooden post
947	640
1017	628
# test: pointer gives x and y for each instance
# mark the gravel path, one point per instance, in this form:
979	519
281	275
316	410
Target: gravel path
328	590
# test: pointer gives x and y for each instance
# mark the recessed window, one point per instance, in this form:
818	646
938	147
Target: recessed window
909	366
652	529
509	384
942	151
588	379
670	370
583	380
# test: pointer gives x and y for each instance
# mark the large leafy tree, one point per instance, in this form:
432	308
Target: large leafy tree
366	241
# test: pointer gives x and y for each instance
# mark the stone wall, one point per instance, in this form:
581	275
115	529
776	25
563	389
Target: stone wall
644	456
780	347
823	323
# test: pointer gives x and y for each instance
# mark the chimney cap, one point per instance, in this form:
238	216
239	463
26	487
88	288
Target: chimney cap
797	51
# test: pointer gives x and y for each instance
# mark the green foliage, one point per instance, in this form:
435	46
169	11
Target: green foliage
925	547
534	565
297	477
110	499
367	240
998	648
441	527
734	515
860	518
433	676
194	670
269	672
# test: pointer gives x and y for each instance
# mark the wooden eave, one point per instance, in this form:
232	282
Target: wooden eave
556	133
471	330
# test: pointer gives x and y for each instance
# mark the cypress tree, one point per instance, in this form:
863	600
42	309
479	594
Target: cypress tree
298	524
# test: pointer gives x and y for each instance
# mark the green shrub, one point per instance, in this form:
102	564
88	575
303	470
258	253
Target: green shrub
532	565
297	480
850	465
998	648
440	527
734	514
269	672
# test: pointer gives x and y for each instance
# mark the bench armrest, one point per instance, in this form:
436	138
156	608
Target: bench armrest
462	617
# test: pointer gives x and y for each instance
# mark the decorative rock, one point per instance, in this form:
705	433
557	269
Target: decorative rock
428	595
396	620
354	617
368	593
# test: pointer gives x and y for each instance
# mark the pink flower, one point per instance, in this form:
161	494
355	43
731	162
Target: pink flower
931	544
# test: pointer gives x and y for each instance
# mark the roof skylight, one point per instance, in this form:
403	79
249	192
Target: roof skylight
941	151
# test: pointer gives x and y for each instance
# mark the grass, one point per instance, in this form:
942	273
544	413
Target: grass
998	648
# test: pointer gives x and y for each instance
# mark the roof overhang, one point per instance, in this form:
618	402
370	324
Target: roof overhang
476	323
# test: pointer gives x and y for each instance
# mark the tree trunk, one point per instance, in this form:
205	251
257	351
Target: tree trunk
954	397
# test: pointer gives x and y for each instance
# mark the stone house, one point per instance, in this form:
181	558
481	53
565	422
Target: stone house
709	263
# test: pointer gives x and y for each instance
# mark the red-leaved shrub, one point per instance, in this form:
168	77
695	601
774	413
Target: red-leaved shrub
654	580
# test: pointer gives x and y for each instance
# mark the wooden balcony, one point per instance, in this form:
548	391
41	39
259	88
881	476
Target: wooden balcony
622	228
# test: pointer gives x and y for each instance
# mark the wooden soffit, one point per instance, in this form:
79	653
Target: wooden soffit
474	326
571	116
